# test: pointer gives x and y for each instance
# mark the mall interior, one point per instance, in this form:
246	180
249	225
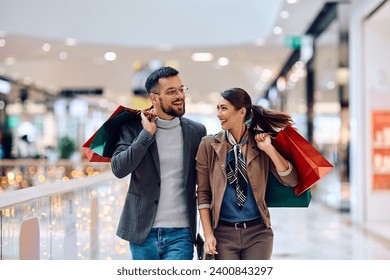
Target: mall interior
65	67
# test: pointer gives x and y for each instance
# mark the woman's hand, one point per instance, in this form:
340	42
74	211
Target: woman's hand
263	141
210	244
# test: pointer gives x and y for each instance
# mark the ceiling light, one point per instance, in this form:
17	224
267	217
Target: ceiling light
110	56
267	73
291	1
46	47
330	85
63	55
284	14
223	61
2	43
278	30
202	57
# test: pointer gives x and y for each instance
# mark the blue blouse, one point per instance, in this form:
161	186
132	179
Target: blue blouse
230	211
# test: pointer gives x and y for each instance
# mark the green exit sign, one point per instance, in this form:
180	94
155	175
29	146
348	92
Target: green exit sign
293	42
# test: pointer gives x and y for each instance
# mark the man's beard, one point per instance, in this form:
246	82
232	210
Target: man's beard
171	111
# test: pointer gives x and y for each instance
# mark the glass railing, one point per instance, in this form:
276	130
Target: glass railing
61	219
21	174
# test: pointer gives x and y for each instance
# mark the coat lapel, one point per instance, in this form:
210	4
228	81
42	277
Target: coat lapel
252	151
220	147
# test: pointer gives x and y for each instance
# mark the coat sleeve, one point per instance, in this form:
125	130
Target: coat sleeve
130	150
289	177
204	188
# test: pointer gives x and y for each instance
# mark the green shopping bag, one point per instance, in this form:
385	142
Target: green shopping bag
279	195
101	145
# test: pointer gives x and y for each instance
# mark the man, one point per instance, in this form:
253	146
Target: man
159	215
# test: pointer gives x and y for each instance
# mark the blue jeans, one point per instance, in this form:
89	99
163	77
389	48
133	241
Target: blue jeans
165	244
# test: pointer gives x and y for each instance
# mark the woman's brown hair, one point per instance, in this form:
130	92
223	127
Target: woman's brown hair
257	117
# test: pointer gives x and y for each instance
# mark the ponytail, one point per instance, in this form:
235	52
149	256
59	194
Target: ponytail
269	121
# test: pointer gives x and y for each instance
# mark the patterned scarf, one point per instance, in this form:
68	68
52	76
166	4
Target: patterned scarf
236	169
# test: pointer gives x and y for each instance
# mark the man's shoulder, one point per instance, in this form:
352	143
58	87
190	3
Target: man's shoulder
131	125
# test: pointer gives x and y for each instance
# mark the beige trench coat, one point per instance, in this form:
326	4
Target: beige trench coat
212	178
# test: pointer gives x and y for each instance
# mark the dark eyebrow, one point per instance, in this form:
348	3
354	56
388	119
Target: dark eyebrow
173	88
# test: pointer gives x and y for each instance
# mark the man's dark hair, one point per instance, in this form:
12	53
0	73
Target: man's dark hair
163	72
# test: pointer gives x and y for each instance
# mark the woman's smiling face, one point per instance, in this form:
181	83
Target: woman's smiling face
229	116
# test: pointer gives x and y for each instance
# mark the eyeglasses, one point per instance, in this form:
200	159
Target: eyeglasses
173	91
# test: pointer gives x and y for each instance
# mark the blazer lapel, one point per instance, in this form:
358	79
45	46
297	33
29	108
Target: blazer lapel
187	144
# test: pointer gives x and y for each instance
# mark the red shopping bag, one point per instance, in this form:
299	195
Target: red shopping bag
309	162
101	145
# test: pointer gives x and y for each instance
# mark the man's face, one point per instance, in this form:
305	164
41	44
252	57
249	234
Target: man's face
170	101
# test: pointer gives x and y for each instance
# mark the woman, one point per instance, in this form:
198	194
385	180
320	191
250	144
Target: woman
233	168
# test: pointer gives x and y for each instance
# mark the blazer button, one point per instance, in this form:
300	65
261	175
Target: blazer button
254	189
156	201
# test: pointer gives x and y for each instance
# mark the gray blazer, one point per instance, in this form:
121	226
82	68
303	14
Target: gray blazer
136	153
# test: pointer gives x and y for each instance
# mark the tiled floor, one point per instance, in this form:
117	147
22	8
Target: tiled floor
321	233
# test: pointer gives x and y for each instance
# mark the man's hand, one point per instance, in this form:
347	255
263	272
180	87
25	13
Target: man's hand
148	120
